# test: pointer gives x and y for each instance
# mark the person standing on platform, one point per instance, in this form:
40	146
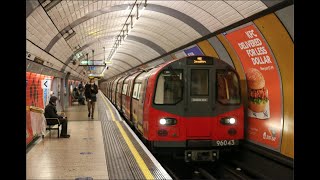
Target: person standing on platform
51	112
90	92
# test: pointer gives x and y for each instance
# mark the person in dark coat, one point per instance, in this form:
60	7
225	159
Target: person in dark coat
90	91
51	112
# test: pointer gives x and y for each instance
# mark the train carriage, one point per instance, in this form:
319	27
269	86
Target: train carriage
192	105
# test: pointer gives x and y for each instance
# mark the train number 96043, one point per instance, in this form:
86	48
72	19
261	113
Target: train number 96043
226	143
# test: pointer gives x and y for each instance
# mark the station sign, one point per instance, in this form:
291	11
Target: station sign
193	51
92	68
46	84
92	63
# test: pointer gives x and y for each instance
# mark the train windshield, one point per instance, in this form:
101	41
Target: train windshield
228	91
169	87
199	82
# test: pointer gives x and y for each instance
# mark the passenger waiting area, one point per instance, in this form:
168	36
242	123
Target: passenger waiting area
96	149
81	155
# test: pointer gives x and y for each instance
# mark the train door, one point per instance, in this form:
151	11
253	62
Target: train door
199	100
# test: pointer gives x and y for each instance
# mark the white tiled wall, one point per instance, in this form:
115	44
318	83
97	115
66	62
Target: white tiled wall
166	31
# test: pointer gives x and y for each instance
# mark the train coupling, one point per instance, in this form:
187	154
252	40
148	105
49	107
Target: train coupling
201	155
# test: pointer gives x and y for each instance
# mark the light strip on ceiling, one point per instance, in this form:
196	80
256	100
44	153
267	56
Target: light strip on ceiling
124	32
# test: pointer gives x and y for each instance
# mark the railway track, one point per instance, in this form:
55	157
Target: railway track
207	171
231	168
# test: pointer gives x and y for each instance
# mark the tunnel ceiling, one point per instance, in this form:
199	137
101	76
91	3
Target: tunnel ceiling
57	30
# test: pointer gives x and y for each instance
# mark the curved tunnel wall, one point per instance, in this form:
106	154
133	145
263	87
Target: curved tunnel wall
277	33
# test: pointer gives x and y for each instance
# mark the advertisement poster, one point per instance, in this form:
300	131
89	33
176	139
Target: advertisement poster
35	96
263	84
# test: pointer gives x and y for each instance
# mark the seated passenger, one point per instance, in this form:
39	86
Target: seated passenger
75	93
51	112
80	87
81	99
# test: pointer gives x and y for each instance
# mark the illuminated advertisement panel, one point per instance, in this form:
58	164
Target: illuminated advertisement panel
265	113
37	94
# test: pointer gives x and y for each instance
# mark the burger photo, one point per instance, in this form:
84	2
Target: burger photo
257	92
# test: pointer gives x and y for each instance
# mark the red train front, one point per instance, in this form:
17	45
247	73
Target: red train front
190	105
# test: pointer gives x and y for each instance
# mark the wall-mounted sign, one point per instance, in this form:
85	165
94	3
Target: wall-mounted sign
38	60
190	51
92	68
92	63
193	51
46	84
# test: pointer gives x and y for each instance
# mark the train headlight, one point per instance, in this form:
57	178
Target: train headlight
162	121
228	121
232	120
168	121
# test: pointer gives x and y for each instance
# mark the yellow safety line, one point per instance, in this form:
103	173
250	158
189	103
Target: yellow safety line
145	170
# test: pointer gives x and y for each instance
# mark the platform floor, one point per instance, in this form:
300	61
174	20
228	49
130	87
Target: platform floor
102	148
81	155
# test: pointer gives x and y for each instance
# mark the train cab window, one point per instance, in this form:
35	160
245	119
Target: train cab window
169	87
199	82
228	87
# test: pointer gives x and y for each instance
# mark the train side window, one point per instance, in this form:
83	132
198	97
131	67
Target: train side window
228	88
128	90
136	90
169	87
118	87
138	93
124	90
